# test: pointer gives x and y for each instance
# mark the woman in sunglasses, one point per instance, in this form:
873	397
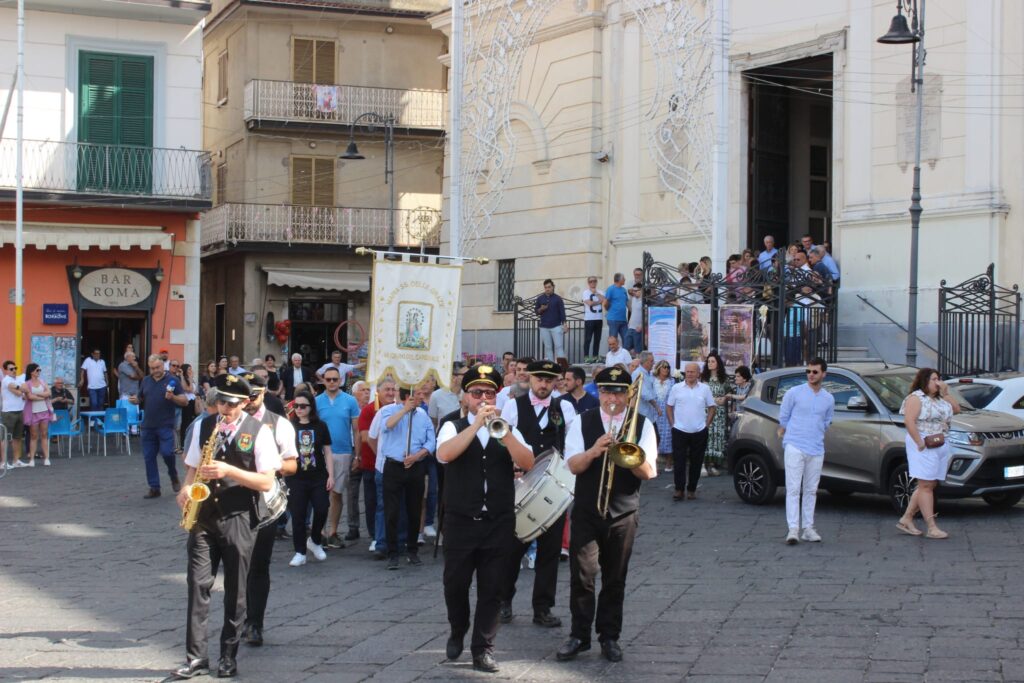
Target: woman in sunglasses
311	482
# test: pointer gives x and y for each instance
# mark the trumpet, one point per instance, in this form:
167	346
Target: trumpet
624	452
497	428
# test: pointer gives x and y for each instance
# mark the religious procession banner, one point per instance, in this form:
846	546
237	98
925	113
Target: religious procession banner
413	321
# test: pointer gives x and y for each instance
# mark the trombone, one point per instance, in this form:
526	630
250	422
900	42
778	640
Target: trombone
624	452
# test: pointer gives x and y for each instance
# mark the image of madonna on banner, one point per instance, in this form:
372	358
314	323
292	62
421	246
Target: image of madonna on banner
413	321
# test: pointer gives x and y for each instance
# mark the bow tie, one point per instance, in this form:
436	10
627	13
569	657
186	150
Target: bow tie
534	401
226	429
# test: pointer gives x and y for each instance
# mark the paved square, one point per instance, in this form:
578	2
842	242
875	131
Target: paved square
92	588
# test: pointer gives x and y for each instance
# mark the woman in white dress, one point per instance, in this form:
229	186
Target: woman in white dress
928	410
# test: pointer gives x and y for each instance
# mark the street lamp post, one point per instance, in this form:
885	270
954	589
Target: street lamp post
352	153
901	34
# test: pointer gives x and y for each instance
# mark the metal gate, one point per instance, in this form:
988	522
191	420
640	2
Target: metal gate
526	329
979	326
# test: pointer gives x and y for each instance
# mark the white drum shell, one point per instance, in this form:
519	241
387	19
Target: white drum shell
543	495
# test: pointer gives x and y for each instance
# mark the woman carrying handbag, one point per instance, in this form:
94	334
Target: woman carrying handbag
928	411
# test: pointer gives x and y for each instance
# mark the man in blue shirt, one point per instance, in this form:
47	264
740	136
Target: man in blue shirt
340	412
406	438
826	258
648	405
616	299
160	396
553	325
806	413
764	259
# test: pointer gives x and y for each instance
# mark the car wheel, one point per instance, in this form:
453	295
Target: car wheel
901	487
1003	500
752	479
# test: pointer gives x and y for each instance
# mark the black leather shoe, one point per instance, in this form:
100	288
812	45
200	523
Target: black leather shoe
454	648
253	635
175	485
546	619
570	649
393	562
485	662
611	650
227	668
193	667
352	535
152	493
505	613
414	559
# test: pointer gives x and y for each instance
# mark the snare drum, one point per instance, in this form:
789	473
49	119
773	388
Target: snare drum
274	503
543	495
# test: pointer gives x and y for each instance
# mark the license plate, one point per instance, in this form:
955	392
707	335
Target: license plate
1013	472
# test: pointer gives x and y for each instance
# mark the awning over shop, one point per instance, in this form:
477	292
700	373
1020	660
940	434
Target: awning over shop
305	278
64	236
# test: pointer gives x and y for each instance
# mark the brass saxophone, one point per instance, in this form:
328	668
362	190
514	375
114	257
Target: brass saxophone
198	491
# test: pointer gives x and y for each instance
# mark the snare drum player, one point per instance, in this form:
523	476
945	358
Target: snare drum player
598	542
541	420
225	531
479	500
258	587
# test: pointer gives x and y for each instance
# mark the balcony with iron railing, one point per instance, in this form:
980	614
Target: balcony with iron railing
230	225
97	173
281	103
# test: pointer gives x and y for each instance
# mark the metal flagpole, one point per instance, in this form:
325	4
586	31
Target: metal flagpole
720	204
455	51
19	198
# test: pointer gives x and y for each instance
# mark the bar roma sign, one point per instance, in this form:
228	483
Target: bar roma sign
115	287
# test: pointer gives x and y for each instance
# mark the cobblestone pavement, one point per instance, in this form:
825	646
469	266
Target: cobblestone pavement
92	587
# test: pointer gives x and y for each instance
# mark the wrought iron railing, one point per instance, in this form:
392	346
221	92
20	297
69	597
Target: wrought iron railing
320	103
286	224
83	167
526	329
979	326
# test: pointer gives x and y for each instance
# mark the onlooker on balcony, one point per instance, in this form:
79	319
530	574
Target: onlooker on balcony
94	379
593	320
764	259
553	324
634	341
615	302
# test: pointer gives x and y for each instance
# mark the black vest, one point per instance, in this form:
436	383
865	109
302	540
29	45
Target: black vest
540	440
625	487
464	479
228	498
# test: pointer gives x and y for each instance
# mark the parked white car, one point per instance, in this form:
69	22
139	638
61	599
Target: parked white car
1003	392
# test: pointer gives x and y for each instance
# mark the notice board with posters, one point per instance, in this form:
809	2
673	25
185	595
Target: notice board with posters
57	356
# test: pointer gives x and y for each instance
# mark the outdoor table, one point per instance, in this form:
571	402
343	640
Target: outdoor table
89	416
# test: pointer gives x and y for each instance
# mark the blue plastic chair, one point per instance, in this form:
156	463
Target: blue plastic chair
134	414
65	426
115	421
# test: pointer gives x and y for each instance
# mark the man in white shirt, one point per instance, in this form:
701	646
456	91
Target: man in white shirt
444	401
13	403
634	340
593	320
691	408
343	368
521	386
616	354
94	379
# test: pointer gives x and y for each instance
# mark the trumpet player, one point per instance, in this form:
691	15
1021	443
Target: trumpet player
541	420
599	540
242	465
479	501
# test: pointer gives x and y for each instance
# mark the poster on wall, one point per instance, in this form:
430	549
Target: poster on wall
694	332
736	335
65	360
661	331
41	353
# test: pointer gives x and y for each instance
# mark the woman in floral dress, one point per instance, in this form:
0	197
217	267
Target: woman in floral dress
662	386
716	379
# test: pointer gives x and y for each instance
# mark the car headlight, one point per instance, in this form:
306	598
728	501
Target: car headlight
965	438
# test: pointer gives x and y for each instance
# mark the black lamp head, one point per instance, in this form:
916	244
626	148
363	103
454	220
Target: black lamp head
899	32
352	152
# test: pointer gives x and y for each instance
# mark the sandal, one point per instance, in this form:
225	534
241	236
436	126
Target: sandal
908	529
936	534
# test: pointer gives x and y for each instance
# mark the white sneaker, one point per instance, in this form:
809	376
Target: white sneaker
30	463
46	463
429	531
19	463
531	561
420	540
298	560
373	546
810	535
318	551
793	537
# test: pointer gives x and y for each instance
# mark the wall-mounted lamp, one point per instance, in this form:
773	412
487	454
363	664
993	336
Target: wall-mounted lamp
76	272
159	275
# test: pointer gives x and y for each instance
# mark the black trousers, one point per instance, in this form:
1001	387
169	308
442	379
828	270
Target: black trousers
594	544
226	541
401	482
592	330
257	589
545	580
689	448
475	547
364	479
302	493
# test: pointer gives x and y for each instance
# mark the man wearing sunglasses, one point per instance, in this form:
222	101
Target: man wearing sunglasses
806	413
479	503
13	400
339	410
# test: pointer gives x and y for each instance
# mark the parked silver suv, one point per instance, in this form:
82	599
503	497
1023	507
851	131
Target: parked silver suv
864	447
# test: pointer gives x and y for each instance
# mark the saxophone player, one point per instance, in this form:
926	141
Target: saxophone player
243	463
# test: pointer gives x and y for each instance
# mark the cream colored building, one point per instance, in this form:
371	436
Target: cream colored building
820	140
284	86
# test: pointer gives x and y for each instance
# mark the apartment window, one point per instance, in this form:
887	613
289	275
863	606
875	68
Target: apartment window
506	284
313	181
313	61
222	185
222	78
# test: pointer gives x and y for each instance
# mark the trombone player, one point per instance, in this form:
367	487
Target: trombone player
604	513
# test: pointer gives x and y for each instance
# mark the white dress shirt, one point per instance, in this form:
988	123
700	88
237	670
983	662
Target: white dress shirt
510	413
615	357
689	406
648	438
268	459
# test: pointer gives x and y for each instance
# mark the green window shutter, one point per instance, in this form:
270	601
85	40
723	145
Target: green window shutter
136	100
97	98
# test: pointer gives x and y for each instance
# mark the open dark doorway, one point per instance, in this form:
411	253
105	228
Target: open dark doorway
789	191
111	332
